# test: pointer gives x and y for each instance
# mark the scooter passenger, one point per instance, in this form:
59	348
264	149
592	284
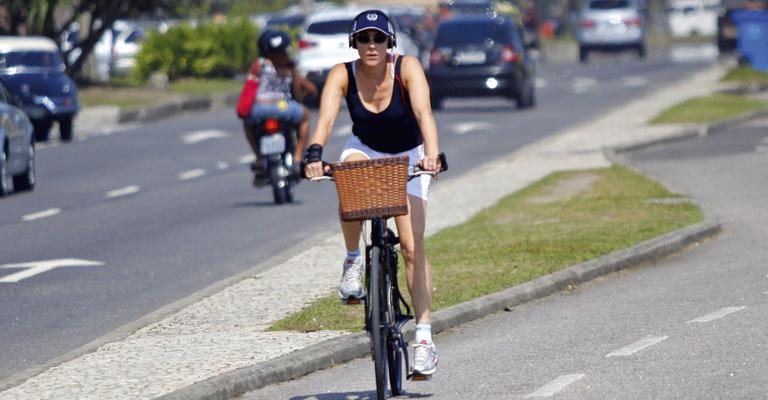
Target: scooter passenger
279	88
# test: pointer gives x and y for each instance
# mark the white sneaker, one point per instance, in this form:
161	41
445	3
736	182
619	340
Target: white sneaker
351	285
424	358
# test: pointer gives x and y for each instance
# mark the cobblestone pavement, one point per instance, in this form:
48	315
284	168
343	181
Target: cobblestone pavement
225	330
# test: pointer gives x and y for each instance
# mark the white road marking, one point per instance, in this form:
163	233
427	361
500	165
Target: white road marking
466	127
345	130
38	267
637	346
540	82
246	159
221	165
122	191
763	146
581	85
554	386
634	81
717	314
42	214
191	174
199	136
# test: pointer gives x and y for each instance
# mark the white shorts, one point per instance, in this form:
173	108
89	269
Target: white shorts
418	186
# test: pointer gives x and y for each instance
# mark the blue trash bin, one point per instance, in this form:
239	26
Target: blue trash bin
752	42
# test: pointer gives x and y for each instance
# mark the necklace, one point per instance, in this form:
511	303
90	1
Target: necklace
375	82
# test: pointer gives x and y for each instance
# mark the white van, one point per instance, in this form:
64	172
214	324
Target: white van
693	17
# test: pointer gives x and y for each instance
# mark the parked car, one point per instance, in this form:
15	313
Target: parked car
125	47
693	17
17	155
32	71
610	25
478	55
324	42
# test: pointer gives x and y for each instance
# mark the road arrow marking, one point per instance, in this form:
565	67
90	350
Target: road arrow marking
466	127
555	386
38	267
199	136
42	214
637	346
718	314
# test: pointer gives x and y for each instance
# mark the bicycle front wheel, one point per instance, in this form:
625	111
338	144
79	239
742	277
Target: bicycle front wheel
378	326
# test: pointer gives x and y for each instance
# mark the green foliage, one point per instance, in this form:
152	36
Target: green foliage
212	50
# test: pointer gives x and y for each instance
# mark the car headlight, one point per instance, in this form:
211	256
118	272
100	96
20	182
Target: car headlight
46	102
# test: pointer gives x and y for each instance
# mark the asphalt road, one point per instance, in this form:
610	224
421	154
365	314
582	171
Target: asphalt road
689	327
145	215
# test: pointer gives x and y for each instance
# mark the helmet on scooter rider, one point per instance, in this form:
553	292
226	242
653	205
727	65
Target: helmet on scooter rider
271	41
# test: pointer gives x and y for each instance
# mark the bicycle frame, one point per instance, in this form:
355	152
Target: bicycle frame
384	317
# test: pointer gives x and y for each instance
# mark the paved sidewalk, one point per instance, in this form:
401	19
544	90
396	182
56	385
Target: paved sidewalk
215	333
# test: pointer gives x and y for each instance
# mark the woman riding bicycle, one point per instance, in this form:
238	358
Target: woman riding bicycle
388	100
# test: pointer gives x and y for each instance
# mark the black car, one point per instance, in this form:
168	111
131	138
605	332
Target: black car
33	72
478	55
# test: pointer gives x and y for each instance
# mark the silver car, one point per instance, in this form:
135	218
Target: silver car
610	25
17	154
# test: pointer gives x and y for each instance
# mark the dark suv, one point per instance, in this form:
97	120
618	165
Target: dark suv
478	55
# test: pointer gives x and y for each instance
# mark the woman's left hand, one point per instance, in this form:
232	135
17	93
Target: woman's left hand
430	163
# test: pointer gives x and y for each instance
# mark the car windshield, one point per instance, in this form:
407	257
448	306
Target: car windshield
608	4
41	59
333	27
472	33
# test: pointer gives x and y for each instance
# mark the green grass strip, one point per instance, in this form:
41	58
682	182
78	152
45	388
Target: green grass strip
122	93
562	220
747	75
709	109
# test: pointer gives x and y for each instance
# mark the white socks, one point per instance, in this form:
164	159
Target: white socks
423	333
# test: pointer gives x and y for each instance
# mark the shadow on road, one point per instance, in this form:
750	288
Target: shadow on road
357	396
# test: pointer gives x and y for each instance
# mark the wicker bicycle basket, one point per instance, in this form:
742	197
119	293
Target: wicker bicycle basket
372	188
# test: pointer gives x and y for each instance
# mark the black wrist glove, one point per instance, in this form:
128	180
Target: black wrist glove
314	153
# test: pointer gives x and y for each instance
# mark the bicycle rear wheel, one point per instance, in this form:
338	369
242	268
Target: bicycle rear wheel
378	327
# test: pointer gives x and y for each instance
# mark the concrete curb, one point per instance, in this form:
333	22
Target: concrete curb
346	348
164	110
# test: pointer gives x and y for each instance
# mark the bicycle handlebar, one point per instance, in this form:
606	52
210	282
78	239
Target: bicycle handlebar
413	170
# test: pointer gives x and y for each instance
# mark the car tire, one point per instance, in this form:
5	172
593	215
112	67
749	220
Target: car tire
641	51
526	97
5	183
583	54
25	181
65	128
41	129
437	102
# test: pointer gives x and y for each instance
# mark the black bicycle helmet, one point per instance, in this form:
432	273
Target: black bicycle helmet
271	41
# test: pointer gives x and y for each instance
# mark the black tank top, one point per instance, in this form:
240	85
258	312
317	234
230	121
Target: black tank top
393	130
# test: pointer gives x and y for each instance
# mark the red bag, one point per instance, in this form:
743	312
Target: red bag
247	97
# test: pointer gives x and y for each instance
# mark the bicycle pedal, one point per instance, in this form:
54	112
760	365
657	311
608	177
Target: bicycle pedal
351	301
417	377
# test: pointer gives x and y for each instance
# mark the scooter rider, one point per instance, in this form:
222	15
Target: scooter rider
280	85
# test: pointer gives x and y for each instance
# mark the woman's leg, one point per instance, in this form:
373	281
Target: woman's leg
410	228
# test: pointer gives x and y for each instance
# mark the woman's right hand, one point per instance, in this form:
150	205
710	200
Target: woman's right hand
313	161
314	170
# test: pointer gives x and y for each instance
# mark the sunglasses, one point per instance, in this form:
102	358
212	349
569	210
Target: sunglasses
365	39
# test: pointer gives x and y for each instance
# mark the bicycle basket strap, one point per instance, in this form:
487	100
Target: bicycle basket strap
372	188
